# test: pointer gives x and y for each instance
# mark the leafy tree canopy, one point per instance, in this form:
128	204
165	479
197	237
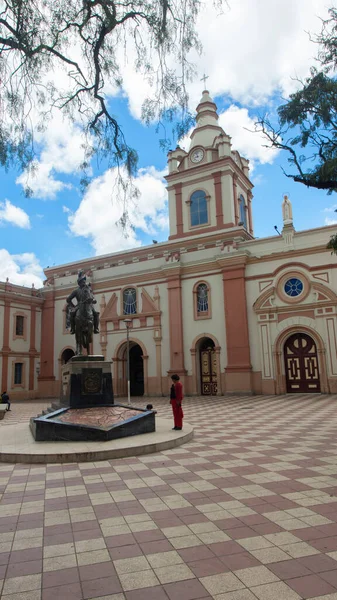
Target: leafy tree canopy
307	122
66	54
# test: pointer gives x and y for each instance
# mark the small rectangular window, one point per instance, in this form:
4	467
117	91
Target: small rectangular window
18	369
19	325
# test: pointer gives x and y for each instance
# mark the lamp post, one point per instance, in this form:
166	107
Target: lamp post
127	324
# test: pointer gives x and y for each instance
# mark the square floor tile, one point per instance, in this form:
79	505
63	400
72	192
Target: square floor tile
174	573
217	584
310	586
256	576
275	591
135	581
191	589
162	559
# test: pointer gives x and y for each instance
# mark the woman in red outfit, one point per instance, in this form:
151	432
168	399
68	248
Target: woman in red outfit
176	398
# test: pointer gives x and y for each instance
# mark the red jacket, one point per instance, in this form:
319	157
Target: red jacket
179	392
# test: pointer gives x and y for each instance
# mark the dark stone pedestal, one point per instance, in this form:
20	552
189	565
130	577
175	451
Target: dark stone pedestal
86	381
52	427
87	411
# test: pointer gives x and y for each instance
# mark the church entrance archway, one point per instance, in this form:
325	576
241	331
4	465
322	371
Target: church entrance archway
208	367
136	371
301	364
66	355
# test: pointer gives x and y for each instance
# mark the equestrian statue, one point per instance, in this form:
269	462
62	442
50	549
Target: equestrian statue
82	319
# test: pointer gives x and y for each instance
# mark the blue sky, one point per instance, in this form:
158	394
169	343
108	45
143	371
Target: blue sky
252	57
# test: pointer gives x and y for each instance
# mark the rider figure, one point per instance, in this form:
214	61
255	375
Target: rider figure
81	293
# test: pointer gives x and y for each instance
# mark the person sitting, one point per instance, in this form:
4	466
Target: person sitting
5	400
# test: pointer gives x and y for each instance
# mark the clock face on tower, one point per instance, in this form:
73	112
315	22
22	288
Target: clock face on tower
197	155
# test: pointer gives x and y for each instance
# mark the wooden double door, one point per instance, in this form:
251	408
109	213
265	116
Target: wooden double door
301	364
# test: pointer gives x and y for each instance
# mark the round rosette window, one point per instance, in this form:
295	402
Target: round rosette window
293	287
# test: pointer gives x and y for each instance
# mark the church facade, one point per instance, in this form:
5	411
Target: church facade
229	313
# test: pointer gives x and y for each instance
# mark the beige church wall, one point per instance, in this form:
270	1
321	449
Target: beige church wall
2	315
19	344
195	329
38	320
213	327
267	329
172	211
18	392
227	198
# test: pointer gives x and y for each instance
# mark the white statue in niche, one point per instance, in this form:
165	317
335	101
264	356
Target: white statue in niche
287	211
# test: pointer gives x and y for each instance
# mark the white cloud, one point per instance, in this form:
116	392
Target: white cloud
250	51
240	126
329	221
101	209
21	269
62	152
237	123
14	215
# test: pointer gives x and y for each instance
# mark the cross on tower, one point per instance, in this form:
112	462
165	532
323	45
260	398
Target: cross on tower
204	79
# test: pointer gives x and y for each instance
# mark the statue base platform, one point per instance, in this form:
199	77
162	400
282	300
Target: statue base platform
86	381
87	411
92	424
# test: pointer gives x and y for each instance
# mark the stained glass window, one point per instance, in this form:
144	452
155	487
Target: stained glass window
293	287
129	301
243	214
202	298
199	214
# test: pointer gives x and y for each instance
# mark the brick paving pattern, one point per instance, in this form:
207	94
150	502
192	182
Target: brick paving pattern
245	511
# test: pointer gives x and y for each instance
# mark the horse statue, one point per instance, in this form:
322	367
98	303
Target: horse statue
82	318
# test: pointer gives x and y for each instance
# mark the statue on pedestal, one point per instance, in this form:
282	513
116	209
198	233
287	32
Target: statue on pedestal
82	318
287	211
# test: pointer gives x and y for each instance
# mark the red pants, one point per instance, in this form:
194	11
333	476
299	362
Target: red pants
177	413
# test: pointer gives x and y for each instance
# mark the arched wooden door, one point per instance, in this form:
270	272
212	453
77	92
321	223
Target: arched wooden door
208	370
136	371
301	364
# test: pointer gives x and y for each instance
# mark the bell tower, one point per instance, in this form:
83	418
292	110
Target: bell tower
209	186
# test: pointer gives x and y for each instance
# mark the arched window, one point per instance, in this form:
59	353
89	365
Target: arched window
202	308
198	208
243	213
202	298
129	301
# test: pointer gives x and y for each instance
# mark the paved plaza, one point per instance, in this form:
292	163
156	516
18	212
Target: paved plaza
247	510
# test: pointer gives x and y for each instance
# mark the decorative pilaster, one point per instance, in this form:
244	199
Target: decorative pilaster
179	208
47	339
235	200
238	370
218	198
5	346
175	322
250	216
32	349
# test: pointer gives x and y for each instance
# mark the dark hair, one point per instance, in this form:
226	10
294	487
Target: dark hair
175	377
149	407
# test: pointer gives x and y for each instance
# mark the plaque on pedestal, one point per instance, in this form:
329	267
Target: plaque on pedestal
87	382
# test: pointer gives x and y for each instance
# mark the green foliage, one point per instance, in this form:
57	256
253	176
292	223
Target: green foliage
332	245
64	54
307	127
